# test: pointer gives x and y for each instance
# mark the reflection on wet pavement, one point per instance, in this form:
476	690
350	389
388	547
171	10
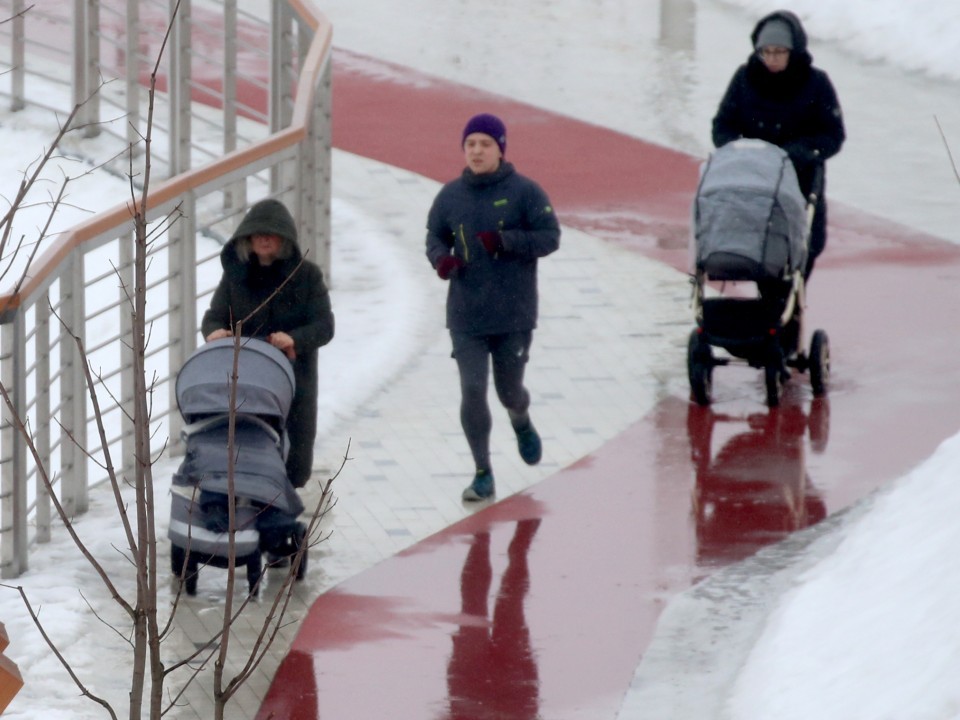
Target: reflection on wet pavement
755	489
492	671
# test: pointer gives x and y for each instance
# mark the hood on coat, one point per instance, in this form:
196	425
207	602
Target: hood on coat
269	217
796	29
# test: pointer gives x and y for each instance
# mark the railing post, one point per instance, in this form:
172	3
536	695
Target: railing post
183	292
74	491
125	276
17	56
314	176
234	196
79	83
13	490
132	75
41	432
179	90
86	65
283	178
92	97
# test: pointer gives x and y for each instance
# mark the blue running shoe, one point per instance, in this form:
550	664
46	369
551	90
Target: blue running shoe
481	488
528	443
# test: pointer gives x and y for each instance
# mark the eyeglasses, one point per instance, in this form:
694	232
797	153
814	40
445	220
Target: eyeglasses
772	52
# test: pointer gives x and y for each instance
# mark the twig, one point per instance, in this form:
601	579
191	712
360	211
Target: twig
953	165
60	658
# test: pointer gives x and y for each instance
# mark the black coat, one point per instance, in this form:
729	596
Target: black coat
301	309
796	109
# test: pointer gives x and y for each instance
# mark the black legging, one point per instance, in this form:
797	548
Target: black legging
509	353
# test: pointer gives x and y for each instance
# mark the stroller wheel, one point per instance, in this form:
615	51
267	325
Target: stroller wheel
300	539
185	565
819	363
699	369
177	558
254	573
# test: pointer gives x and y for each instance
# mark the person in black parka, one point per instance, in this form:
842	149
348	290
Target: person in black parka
262	255
486	231
779	96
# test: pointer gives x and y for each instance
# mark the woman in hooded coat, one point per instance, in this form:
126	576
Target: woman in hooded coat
262	255
779	96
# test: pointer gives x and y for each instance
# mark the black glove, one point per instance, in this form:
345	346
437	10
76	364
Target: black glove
801	153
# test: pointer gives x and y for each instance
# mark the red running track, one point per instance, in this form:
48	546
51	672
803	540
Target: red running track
579	567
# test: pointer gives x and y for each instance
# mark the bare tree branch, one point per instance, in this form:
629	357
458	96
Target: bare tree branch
60	658
67	522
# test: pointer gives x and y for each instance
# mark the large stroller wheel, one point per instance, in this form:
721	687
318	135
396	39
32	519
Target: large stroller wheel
700	368
819	363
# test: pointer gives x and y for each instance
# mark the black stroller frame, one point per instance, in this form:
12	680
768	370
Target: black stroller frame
752	224
266	506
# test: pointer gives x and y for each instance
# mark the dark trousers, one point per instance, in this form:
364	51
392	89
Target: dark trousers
818	236
301	432
509	354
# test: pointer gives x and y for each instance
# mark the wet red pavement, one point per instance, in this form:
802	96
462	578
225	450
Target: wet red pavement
578	568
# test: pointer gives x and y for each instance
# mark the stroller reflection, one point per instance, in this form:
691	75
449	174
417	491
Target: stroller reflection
266	504
755	490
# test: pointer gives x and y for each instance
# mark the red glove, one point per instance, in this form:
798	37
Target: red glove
492	241
448	266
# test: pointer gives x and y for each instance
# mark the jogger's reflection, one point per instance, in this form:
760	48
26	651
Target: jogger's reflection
492	671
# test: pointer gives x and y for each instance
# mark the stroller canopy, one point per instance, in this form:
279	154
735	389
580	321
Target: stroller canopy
265	383
749	215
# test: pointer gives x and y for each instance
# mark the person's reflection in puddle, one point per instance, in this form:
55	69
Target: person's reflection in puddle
492	671
755	490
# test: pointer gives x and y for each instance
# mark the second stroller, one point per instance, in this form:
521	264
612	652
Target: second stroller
751	223
266	505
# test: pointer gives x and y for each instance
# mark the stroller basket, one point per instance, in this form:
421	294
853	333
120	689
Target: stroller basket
735	320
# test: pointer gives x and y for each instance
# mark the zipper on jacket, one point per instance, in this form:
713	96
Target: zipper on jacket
463	242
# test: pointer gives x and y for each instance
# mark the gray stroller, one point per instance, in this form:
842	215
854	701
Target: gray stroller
751	224
266	505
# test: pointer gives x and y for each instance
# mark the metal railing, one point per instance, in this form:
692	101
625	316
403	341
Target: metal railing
243	113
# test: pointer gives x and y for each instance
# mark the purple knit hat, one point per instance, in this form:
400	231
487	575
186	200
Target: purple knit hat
488	125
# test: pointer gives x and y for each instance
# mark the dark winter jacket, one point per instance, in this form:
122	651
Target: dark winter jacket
796	109
492	294
301	309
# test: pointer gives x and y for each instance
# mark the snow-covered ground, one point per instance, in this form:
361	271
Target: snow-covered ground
873	630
